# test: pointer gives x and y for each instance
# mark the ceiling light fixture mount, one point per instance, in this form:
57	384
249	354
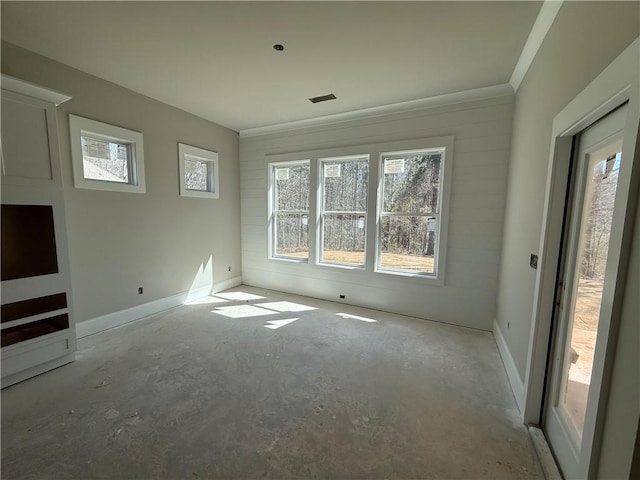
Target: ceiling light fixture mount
278	47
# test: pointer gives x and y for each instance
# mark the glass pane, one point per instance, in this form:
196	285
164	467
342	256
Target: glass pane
412	183
344	237
345	185
105	160
292	234
590	269
408	243
292	187
196	173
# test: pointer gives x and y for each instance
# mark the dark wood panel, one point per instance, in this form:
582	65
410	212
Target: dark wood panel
28	241
33	306
31	330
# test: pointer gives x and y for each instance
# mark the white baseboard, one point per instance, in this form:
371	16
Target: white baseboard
225	285
115	319
517	386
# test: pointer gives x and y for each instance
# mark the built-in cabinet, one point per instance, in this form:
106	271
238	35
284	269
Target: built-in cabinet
38	331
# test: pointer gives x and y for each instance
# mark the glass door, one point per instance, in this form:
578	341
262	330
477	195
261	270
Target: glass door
581	327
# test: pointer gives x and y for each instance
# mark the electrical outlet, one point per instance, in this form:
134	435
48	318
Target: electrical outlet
140	290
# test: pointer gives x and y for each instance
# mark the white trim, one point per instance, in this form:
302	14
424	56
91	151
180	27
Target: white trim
517	387
271	211
122	317
33	318
615	84
438	100
32	90
79	126
213	180
445	146
539	31
30	372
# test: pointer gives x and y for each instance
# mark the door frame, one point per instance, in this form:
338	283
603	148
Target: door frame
618	83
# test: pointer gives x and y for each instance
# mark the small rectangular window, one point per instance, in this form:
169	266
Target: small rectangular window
345	181
198	172
105	160
106	157
409	220
289	219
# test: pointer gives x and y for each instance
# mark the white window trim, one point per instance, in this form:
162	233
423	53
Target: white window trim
272	227
79	126
321	211
374	151
442	222
213	181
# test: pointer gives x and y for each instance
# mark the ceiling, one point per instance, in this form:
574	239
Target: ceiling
216	59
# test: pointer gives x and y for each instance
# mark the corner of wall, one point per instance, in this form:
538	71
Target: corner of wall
517	386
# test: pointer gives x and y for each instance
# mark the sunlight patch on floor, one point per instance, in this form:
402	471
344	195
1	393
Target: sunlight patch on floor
286	306
239	296
275	324
243	311
206	300
356	317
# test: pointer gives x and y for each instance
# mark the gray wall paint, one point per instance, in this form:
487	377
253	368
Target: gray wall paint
159	240
482	132
583	40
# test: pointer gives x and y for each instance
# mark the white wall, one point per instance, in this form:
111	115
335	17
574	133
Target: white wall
482	136
158	240
584	39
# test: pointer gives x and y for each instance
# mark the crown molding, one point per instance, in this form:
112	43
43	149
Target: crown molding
541	26
16	85
447	99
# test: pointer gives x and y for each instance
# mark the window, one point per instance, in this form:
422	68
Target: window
198	172
406	235
344	209
410	207
106	157
289	219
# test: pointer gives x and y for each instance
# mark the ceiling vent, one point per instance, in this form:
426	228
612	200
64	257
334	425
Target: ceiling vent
322	98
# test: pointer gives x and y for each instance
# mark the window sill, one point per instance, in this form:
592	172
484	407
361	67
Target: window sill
437	281
342	266
290	259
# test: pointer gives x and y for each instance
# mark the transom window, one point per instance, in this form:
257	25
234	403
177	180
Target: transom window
198	172
106	157
410	211
290	210
343	218
106	160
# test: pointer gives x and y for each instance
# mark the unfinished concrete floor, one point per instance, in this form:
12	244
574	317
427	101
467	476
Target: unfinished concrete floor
194	394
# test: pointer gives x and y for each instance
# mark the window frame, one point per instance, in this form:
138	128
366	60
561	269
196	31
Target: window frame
372	219
272	212
213	178
445	144
322	212
83	127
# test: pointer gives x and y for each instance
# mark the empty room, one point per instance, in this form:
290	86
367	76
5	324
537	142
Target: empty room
338	240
